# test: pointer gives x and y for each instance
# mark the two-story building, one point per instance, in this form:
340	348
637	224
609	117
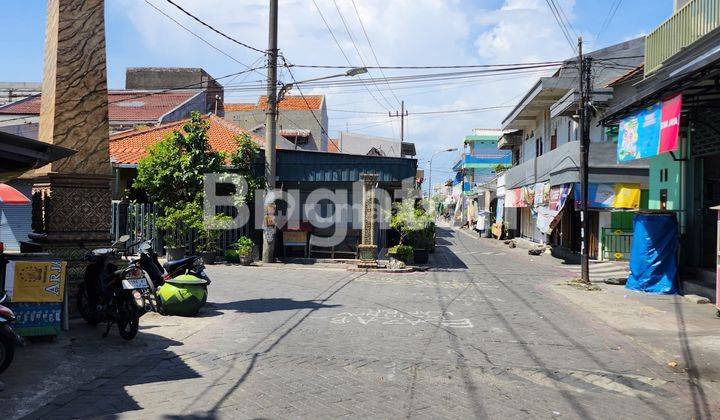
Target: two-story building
682	63
541	133
302	120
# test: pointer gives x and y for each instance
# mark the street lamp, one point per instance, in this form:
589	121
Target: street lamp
350	73
430	175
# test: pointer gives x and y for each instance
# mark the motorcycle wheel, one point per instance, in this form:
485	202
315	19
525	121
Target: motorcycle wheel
84	307
7	353
129	326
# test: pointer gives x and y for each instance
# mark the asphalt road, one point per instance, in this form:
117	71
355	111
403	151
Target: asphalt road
481	336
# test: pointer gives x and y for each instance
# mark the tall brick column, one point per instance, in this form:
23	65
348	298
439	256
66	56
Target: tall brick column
71	196
368	248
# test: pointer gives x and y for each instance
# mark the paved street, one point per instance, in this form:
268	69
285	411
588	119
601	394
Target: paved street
483	335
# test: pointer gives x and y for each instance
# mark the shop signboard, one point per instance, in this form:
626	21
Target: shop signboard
36	319
36	290
35	281
650	132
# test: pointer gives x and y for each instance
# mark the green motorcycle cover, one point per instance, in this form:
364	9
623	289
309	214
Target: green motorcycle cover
182	299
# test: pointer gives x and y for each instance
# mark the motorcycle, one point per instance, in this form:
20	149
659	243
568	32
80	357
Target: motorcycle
110	294
8	338
176	287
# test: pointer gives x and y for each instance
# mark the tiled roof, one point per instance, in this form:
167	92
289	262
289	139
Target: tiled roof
289	103
239	107
124	105
131	146
333	146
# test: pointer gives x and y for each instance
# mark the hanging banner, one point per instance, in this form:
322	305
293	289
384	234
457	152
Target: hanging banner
547	216
542	194
513	198
527	194
558	196
35	281
610	196
651	131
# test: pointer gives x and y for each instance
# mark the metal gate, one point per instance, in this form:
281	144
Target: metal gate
616	244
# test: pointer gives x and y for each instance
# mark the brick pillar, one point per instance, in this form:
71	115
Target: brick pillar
71	196
368	248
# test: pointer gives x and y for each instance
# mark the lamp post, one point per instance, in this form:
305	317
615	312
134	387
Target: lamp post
350	73
430	168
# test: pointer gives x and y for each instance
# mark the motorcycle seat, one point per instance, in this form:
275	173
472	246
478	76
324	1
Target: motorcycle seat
171	266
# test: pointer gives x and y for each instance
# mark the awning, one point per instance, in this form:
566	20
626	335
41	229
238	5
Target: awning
9	195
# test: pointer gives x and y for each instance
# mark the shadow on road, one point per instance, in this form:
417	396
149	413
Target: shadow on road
259	306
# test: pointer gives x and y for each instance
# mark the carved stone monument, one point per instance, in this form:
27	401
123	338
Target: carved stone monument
367	250
71	197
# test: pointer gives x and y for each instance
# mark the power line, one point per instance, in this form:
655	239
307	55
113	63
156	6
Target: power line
332	34
357	49
560	23
608	18
211	45
302	95
372	49
158	92
217	31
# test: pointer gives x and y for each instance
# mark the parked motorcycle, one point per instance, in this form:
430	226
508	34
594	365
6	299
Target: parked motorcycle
176	288
8	338
112	295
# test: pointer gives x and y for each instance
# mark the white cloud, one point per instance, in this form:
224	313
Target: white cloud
403	32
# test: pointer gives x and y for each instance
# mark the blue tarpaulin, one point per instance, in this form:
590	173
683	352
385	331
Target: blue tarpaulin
653	255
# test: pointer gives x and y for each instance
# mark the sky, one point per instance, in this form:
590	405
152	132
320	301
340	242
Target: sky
401	33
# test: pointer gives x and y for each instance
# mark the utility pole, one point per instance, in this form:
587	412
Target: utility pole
270	133
585	70
402	114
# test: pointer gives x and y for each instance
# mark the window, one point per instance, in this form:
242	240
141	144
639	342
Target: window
538	147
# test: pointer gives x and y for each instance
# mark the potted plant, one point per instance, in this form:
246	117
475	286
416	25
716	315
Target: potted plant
244	247
402	253
416	228
177	222
208	235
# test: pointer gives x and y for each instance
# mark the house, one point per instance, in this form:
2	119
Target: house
152	96
363	144
14	91
480	158
541	133
302	120
297	169
684	179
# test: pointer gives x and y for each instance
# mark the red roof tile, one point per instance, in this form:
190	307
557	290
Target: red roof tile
131	146
290	103
333	146
135	106
239	107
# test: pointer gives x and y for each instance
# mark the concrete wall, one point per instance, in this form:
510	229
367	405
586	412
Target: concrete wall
149	78
301	119
658	164
196	103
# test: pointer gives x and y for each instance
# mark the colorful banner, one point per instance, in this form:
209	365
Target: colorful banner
35	281
547	216
36	319
542	194
514	199
610	196
651	131
558	196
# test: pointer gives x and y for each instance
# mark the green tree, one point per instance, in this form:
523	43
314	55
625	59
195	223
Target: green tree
171	175
244	159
